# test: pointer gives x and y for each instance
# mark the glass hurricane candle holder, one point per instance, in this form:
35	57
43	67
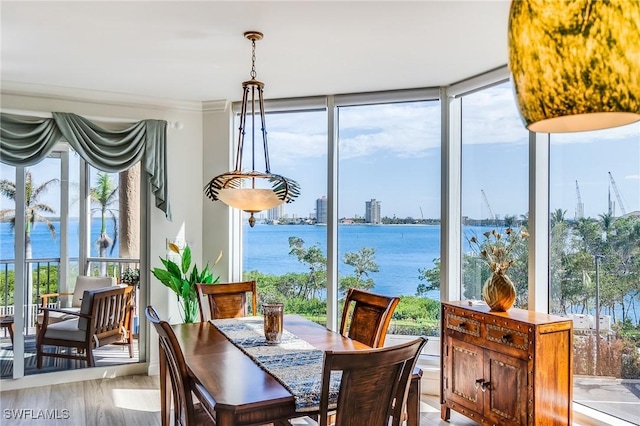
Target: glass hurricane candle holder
273	317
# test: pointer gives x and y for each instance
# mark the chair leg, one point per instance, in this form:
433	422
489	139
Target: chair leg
90	361
413	402
39	356
39	351
130	344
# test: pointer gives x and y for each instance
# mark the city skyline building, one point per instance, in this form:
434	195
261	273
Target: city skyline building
372	211
276	213
321	210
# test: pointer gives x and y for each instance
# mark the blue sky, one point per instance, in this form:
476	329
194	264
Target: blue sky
392	153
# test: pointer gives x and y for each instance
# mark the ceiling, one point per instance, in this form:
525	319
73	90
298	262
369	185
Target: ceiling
195	51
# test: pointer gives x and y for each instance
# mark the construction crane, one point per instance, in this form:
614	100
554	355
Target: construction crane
579	204
486	202
618	196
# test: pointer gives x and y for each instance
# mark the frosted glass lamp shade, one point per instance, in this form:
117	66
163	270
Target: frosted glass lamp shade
575	65
251	200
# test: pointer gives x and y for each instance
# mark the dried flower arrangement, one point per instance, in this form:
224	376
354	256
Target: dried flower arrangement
497	249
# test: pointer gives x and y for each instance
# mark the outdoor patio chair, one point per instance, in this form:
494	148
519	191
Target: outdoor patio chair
100	321
82	283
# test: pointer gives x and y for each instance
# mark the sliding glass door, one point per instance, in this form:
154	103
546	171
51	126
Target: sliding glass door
76	221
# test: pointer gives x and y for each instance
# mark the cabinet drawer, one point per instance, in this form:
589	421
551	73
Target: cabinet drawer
463	324
508	337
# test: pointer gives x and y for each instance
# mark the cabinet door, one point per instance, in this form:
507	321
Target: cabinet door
464	365
505	401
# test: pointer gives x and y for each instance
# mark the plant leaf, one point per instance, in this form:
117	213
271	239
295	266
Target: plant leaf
186	260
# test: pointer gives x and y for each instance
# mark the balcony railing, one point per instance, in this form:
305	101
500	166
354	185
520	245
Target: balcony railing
45	279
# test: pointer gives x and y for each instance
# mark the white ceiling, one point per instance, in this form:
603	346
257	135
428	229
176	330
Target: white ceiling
195	51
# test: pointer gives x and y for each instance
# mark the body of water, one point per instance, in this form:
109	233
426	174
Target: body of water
400	251
44	246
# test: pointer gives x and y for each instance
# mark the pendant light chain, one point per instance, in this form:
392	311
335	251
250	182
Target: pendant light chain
253	59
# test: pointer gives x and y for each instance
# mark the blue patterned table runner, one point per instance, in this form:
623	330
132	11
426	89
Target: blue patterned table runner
294	362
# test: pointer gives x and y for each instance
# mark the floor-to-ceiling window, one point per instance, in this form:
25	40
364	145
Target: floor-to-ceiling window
389	207
64	203
595	260
495	174
285	252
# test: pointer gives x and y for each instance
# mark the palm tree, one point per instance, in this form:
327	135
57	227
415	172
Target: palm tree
34	208
104	195
606	220
557	216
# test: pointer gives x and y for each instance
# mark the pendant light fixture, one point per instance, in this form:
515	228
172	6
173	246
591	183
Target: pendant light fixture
252	191
575	64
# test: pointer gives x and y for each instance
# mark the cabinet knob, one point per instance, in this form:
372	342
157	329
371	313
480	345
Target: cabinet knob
506	337
480	383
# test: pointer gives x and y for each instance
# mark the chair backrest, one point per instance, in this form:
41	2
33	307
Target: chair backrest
176	368
368	319
109	308
84	282
227	300
374	381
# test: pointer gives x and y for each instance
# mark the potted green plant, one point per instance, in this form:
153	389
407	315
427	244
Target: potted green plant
131	276
182	279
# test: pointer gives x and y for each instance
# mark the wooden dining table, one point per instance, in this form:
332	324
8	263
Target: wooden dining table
241	392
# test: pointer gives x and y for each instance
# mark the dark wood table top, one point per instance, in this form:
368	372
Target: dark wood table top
242	392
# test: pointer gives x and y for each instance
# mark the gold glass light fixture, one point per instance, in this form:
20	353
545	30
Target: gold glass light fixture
252	191
575	64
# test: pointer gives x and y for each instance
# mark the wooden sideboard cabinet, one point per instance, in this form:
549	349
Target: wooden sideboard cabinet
505	368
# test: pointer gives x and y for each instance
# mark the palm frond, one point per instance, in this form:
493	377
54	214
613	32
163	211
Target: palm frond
41	190
8	189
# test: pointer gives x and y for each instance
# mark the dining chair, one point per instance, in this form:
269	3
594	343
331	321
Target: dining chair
186	411
227	300
366	317
372	381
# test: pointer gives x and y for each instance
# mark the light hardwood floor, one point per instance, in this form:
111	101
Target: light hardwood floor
129	400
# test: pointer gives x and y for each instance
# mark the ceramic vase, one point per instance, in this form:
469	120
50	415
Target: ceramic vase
499	292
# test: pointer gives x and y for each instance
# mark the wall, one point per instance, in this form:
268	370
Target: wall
217	218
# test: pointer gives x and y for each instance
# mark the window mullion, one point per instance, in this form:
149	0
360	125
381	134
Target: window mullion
539	222
332	214
451	187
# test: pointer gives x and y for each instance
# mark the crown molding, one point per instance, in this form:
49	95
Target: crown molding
215	106
96	97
